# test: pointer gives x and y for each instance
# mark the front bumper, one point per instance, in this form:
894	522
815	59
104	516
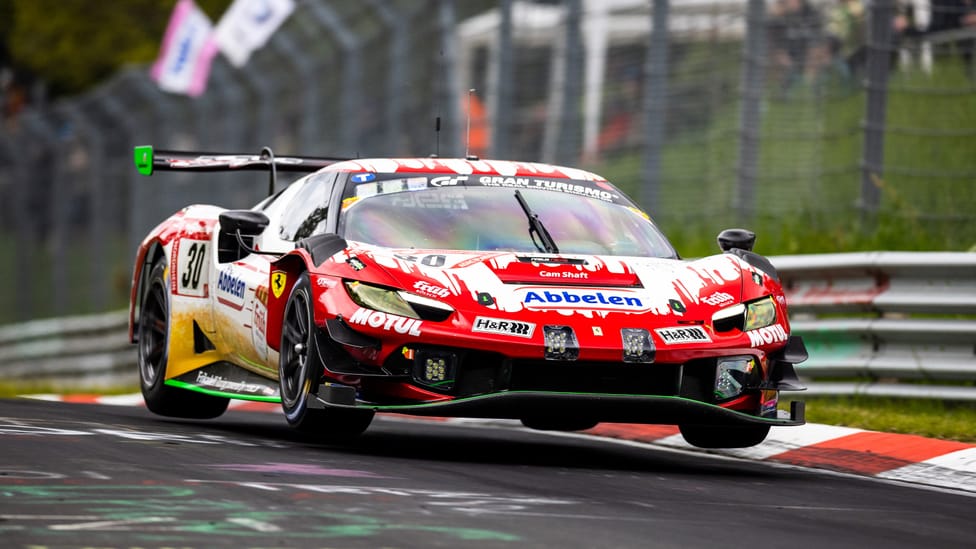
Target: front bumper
604	408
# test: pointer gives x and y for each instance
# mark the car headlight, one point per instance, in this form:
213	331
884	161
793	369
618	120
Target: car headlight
397	302
746	316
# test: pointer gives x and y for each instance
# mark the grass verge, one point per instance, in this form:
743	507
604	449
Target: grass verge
927	418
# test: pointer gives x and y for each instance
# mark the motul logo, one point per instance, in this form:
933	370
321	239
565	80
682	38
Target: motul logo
377	319
767	335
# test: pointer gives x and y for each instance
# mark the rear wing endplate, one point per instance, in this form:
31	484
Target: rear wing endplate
148	160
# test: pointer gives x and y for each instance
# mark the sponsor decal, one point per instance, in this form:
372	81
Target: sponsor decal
447	181
386	321
504	327
597	331
690	334
356	263
564	274
551	185
221	384
767	335
538	299
677	306
430	290
363	177
230	289
278	281
718	298
261	295
189	269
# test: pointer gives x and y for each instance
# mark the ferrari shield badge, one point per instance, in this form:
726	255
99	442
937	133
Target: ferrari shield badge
278	280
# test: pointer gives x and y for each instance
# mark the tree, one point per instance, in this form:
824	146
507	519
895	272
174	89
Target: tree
73	44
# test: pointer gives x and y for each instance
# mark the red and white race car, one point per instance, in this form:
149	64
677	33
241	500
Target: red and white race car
454	287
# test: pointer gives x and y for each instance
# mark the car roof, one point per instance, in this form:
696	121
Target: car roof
464	166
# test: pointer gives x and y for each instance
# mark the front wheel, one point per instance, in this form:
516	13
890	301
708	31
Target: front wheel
724	436
300	371
153	352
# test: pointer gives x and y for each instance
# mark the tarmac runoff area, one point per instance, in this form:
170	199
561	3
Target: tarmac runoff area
895	457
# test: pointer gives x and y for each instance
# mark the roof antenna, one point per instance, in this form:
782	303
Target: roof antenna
467	138
437	138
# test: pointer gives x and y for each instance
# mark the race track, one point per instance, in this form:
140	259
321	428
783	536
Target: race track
85	475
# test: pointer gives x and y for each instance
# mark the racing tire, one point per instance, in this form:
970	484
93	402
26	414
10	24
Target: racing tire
558	424
300	372
724	436
154	332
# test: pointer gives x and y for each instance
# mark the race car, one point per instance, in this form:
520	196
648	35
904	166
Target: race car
454	287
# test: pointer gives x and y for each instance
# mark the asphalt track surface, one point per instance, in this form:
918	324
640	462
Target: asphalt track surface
89	475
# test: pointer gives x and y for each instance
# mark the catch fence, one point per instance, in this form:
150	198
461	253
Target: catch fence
712	113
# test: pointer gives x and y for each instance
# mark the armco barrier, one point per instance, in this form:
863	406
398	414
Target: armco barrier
900	324
79	352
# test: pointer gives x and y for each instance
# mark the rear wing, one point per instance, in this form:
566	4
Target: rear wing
149	160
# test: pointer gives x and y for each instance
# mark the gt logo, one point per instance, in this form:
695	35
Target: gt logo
278	281
447	181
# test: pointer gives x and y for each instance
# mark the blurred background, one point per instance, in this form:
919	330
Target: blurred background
824	125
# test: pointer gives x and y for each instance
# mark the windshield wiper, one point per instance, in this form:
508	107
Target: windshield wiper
537	228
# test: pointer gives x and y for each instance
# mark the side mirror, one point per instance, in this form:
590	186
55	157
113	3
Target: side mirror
249	222
237	231
742	239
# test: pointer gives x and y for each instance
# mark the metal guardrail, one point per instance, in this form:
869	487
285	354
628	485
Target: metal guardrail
69	353
897	324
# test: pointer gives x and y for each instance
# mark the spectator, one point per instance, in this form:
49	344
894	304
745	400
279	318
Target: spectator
795	31
846	31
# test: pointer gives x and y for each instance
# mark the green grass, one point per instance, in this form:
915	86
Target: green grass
928	418
808	186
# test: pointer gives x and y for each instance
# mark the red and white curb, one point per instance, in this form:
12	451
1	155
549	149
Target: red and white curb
906	458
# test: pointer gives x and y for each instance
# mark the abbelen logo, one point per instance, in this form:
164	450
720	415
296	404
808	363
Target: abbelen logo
505	327
378	319
691	334
767	335
580	299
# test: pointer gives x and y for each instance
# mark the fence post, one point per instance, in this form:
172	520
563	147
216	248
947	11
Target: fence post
309	116
352	62
395	77
58	199
561	138
501	81
449	96
750	116
655	103
99	280
879	49
25	241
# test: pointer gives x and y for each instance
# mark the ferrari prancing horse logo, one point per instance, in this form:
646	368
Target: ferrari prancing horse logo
278	280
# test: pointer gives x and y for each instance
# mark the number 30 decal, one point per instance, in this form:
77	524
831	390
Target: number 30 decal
190	267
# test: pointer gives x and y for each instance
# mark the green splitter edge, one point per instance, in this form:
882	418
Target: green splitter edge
143	158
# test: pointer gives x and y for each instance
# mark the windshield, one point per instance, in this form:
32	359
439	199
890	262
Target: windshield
485	218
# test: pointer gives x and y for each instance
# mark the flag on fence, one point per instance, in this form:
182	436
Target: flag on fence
183	65
247	25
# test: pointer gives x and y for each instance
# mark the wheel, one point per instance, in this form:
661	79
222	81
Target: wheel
153	351
558	424
724	436
300	370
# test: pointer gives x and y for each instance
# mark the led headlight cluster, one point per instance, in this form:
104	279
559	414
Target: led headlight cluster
746	316
397	302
